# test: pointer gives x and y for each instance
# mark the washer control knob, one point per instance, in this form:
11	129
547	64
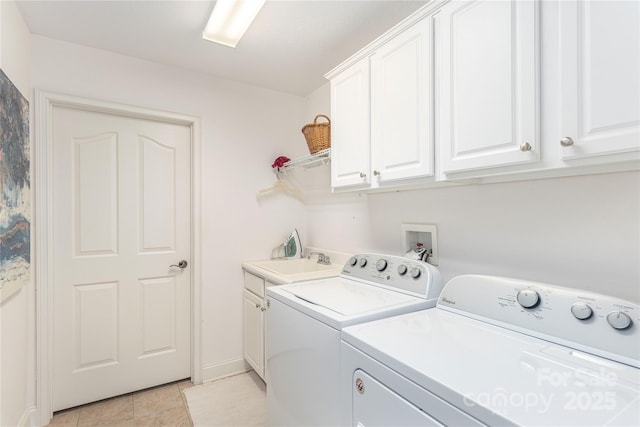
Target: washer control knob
415	272
528	298
353	261
619	320
381	265
581	311
363	262
402	269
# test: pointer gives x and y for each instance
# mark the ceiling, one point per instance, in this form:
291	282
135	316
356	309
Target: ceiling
289	47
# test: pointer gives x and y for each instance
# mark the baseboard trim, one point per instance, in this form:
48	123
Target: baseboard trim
227	368
28	417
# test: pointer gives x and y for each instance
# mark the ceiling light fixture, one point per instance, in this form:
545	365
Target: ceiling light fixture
230	19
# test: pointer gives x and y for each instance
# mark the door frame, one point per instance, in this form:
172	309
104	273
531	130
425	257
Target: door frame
43	233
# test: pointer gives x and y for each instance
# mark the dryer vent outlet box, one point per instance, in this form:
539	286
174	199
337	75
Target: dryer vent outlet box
427	234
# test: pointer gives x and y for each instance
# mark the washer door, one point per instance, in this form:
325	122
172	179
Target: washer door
376	405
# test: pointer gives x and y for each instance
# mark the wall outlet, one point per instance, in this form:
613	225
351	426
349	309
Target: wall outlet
427	234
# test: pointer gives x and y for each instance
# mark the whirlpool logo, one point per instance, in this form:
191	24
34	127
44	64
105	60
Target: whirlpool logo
448	301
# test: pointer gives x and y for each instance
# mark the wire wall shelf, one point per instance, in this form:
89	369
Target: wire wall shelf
320	158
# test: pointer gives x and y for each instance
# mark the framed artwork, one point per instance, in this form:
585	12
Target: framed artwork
15	197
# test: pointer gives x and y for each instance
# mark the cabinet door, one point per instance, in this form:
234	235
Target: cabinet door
350	155
254	332
486	84
600	60
401	124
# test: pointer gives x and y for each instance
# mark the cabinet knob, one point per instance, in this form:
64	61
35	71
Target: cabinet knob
363	175
566	142
257	305
525	147
376	173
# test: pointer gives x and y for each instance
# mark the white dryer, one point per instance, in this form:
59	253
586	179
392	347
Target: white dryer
304	321
497	351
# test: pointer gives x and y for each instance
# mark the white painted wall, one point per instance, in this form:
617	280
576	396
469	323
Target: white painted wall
580	232
243	129
17	331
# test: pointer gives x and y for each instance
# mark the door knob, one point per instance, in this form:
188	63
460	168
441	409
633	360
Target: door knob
181	264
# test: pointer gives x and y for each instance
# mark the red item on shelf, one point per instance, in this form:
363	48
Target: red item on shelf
280	161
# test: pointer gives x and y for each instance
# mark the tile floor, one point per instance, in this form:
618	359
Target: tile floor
235	401
158	406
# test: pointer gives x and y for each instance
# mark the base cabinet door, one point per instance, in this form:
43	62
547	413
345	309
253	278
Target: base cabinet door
600	87
486	84
254	332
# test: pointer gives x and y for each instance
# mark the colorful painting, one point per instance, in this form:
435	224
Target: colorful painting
15	198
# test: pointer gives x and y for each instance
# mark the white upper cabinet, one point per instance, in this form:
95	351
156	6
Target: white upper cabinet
350	143
503	90
600	78
486	81
381	112
401	116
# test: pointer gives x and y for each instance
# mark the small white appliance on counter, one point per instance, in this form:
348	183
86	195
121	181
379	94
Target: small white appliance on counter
497	351
304	321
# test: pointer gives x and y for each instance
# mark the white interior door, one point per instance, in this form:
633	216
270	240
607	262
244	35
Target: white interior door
121	217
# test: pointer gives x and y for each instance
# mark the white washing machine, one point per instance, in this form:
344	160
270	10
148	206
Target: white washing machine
304	321
497	351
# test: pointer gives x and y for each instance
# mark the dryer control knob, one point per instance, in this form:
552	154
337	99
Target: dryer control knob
402	269
528	298
415	272
619	320
381	265
353	261
581	311
363	262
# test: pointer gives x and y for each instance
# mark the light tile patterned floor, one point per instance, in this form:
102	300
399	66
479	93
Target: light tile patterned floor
159	406
238	400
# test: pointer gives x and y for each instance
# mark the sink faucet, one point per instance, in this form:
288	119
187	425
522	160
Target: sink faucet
322	258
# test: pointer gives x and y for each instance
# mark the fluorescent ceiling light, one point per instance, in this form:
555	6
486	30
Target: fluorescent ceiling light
230	19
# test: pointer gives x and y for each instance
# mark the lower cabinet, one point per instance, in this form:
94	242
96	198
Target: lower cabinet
254	332
254	306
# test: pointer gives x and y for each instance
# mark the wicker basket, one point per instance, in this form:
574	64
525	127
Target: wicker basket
318	135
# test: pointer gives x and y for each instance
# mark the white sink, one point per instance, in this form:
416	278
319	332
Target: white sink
288	267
